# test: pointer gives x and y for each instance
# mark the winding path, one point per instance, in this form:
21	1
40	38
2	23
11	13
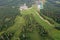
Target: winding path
44	19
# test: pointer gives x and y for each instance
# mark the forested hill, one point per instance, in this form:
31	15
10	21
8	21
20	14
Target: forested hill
15	2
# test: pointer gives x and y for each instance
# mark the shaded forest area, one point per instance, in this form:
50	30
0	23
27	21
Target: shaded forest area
52	10
7	16
16	2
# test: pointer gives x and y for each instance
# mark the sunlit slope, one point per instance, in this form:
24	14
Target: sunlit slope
17	27
55	34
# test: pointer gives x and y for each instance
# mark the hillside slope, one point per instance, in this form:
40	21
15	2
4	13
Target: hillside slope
29	26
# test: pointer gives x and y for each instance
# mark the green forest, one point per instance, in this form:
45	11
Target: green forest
29	24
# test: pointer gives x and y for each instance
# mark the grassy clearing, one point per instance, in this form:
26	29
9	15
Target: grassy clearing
34	35
16	28
18	22
19	25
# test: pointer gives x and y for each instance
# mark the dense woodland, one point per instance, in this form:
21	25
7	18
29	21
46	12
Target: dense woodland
7	16
16	2
52	10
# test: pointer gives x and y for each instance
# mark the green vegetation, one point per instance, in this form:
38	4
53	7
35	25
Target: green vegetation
27	25
7	17
51	10
16	2
53	32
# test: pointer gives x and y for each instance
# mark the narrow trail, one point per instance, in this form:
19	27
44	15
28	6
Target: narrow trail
44	20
